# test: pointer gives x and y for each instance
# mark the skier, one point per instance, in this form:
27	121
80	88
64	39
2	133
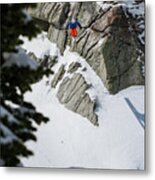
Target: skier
72	25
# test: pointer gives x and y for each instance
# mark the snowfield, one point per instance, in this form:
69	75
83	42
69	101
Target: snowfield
70	140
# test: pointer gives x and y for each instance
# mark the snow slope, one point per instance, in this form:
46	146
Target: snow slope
69	140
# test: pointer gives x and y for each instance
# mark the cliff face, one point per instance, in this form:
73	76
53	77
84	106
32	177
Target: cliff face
108	38
111	41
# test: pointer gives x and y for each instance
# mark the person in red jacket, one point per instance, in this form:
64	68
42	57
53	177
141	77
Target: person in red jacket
73	25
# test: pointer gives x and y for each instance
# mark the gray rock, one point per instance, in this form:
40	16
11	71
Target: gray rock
120	58
57	36
58	76
73	67
72	93
87	13
86	108
54	13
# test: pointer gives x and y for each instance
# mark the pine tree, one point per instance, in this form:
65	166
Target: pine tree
17	115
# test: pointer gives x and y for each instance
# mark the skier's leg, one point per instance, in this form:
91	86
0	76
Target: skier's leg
73	35
72	41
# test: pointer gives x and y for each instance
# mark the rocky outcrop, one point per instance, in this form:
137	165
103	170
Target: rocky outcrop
105	40
73	67
111	40
72	93
120	55
58	76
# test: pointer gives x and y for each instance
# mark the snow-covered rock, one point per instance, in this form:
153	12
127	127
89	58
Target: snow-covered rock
111	38
72	93
58	76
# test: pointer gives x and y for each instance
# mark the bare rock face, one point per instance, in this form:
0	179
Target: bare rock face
105	40
73	67
58	76
72	94
120	55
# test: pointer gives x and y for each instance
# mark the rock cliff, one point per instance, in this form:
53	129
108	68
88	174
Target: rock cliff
111	40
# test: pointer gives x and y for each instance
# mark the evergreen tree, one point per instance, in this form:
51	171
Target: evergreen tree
17	115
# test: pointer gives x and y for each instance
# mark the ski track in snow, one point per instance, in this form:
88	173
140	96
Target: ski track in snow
70	140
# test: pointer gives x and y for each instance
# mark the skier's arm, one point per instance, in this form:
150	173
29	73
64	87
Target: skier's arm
68	24
78	24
